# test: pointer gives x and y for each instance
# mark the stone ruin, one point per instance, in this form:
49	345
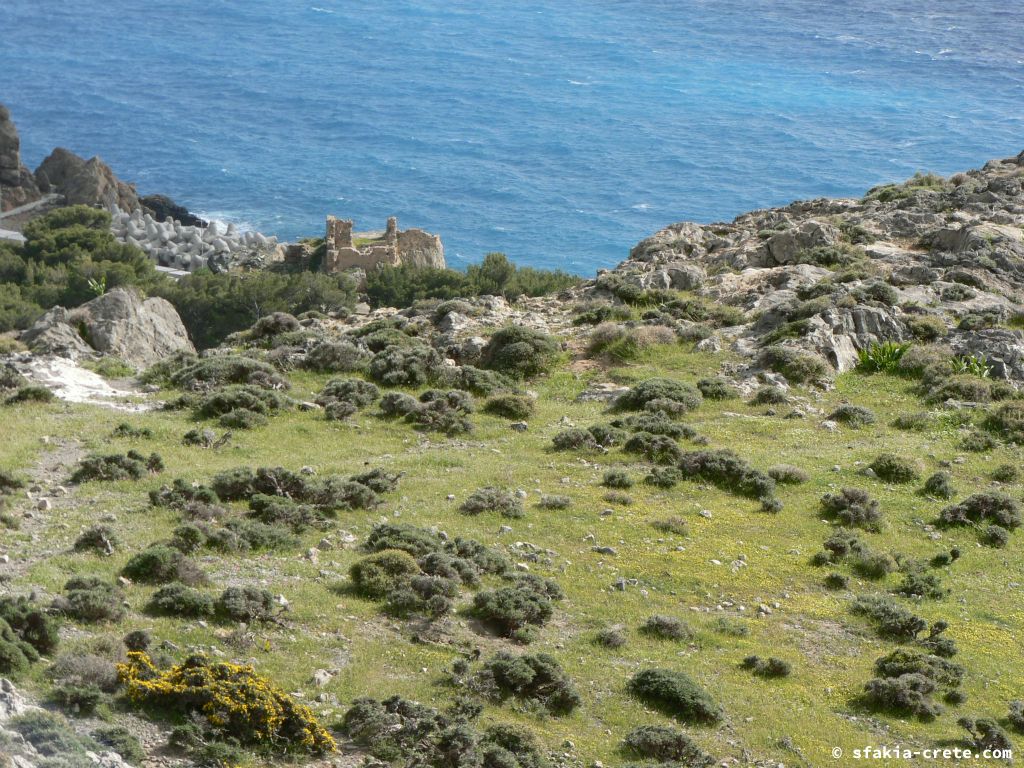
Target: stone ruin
393	247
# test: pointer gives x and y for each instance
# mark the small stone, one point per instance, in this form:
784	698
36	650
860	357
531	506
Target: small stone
519	426
44	505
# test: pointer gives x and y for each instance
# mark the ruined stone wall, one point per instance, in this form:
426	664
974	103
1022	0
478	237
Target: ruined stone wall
413	246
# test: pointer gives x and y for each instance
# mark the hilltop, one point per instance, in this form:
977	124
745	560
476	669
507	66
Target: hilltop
748	498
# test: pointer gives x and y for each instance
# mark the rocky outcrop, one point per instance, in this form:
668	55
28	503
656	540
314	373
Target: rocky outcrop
928	257
17	184
162	208
84	182
119	323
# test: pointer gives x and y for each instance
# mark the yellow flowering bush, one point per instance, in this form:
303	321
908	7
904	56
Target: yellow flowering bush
233	699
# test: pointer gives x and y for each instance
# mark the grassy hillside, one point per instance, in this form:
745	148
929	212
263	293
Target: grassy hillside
714	569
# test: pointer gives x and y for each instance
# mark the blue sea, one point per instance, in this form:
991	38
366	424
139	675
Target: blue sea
558	132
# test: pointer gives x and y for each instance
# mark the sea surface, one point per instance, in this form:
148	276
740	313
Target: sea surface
560	132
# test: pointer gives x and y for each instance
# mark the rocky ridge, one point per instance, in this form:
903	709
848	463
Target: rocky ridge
834	276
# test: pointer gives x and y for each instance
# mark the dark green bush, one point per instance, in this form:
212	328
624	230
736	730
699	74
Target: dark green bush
995	536
31	394
510	609
919	583
663	477
796	365
248	604
617	478
554	501
520	351
240	397
787	474
98	538
939	486
717	388
1005	473
853	507
31	623
986	734
769	395
537	678
90	599
130	466
726	470
179	600
16	655
574	439
676	694
490	499
378	575
913	422
978	442
412	367
665	745
664	627
515	407
242	419
853	415
770	667
356	392
994	507
837	581
685	396
894	469
160	564
222	370
891	620
658	449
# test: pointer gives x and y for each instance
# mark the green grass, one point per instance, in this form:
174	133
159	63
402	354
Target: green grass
831	651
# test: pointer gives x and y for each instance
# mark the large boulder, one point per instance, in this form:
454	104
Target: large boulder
17	185
787	245
85	182
162	208
119	323
839	333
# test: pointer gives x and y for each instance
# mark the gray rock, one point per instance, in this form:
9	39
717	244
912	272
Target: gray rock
119	323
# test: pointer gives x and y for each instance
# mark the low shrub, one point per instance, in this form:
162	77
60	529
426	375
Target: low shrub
336	357
853	415
31	623
130	466
240	397
119	739
913	422
891	620
99	538
355	392
512	609
853	507
382	573
90	599
515	407
796	365
31	394
491	499
1005	473
248	604
986	735
663	477
666	628
978	442
614	636
996	508
674	525
995	536
412	367
238	704
787	474
241	418
891	468
939	486
770	667
180	600
658	449
665	745
617	478
1015	717
126	430
530	678
160	564
16	655
837	581
675	694
726	470
769	395
717	388
882	357
919	583
685	396
1008	422
519	351
554	501
220	370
